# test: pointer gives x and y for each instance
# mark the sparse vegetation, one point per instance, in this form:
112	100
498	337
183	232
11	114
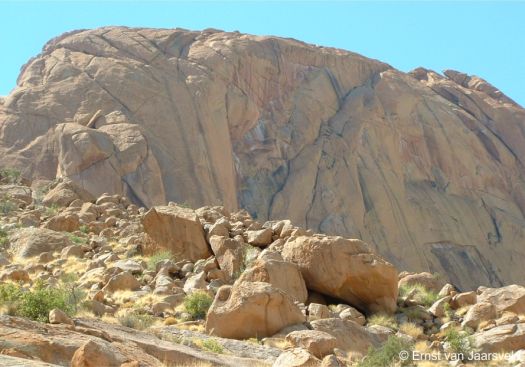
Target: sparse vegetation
76	239
212	346
36	303
383	320
10	176
157	257
84	229
51	210
135	320
6	205
459	341
411	329
197	304
388	354
3	238
419	293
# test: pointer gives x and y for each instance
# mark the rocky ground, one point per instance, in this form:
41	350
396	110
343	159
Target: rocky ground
91	281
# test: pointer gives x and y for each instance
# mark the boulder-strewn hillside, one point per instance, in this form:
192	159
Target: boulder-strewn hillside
426	168
100	282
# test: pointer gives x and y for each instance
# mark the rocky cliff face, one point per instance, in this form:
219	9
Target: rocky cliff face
427	168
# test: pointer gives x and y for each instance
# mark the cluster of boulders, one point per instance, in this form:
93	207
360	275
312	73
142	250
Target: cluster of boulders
313	295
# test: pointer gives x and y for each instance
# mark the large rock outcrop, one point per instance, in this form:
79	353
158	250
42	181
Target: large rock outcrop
427	167
345	269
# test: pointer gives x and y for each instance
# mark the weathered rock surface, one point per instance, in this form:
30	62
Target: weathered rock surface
29	242
509	298
504	338
177	230
427	168
280	274
251	309
345	269
351	337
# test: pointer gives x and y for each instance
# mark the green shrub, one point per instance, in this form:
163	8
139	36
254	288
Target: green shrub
158	257
10	176
421	294
36	303
197	304
84	229
213	346
388	354
136	320
7	206
383	320
76	239
52	210
3	238
459	341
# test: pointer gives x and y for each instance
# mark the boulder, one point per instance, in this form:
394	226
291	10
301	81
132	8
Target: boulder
57	316
122	282
318	311
177	230
251	309
280	274
262	237
96	354
64	193
482	311
14	275
431	282
315	342
351	337
229	254
346	269
63	223
297	357
504	338
508	298
463	299
29	242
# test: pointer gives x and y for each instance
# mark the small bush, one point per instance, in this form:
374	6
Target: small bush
136	320
197	304
420	294
158	257
84	229
7	206
212	345
411	329
3	238
458	341
52	210
36	303
10	176
388	354
76	239
383	320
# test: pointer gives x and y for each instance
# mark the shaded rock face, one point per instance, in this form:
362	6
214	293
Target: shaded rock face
428	168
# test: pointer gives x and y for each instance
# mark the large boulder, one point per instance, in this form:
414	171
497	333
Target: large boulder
251	309
97	354
430	281
64	193
346	269
351	337
508	298
229	254
178	230
316	342
504	338
280	274
29	242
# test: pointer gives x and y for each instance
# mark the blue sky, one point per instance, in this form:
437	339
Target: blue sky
482	38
